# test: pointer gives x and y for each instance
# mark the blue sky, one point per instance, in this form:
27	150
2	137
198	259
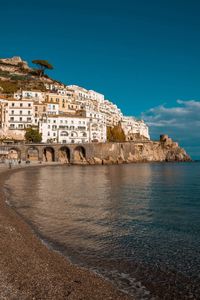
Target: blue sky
143	55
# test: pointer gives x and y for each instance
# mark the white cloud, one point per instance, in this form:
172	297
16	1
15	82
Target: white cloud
181	122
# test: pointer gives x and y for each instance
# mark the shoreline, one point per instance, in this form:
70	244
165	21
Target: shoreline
31	270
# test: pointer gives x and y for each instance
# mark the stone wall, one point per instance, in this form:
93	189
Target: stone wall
103	153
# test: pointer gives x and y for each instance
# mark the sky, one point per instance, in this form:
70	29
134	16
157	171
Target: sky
143	55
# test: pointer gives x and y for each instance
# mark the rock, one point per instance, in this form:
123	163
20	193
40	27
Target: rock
109	161
97	161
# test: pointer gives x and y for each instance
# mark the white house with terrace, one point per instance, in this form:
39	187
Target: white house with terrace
71	129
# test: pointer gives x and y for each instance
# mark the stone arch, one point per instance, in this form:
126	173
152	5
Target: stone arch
32	153
64	155
48	154
79	154
14	153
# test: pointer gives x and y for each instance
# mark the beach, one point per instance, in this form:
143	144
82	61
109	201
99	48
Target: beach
30	270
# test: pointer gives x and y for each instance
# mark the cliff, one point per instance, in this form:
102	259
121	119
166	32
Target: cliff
16	74
165	150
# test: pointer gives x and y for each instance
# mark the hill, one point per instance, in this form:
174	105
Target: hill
16	74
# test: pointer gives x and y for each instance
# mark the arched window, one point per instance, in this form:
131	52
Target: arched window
74	134
64	133
84	134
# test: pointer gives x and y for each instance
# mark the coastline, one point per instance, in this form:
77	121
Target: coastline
30	270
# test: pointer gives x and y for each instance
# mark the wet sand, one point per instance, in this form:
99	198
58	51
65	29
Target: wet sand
30	270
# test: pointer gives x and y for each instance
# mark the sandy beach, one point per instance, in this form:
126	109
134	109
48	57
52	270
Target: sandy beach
30	270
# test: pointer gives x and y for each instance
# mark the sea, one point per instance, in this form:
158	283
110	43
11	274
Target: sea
137	225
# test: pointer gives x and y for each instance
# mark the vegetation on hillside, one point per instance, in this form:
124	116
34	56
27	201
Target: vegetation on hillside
8	87
115	134
15	76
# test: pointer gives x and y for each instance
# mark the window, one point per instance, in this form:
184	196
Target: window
48	133
54	121
29	112
21	104
12	119
64	133
12	112
49	126
13	104
28	119
54	134
29	104
20	118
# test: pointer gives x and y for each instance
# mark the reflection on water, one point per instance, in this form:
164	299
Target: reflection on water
121	220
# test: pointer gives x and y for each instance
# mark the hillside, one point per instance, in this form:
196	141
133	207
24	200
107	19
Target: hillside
16	73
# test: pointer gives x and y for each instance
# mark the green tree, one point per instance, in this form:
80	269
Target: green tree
115	134
33	135
43	65
8	87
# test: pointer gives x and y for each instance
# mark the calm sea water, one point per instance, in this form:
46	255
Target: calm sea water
138	224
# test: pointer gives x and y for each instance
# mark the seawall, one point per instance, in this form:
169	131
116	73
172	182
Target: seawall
99	153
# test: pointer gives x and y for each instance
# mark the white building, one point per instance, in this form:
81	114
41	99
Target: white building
113	114
71	129
33	95
20	114
134	128
52	108
84	94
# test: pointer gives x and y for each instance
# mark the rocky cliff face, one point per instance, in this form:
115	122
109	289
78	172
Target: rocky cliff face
16	74
164	150
13	66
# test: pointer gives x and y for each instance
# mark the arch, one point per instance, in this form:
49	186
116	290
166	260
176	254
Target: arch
74	134
79	154
14	153
32	154
64	133
94	127
48	154
64	155
83	134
